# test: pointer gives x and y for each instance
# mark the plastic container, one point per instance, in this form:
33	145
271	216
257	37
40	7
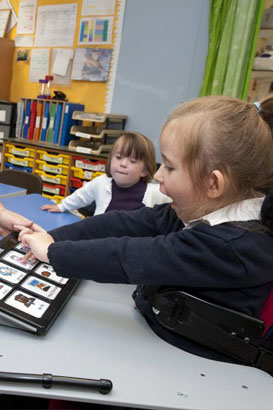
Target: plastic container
54	189
55	198
22	162
76	182
53	158
11	166
20	152
43	84
89	175
93	165
53	169
49	78
52	179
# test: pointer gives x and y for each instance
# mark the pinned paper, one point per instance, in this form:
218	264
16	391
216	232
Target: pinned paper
61	61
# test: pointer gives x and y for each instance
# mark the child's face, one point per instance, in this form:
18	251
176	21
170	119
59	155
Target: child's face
174	178
126	171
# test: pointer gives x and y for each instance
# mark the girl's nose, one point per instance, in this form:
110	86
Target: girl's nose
158	175
124	162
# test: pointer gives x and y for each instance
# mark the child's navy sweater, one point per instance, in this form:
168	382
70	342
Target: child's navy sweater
225	264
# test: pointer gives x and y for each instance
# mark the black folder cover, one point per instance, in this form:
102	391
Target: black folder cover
31	295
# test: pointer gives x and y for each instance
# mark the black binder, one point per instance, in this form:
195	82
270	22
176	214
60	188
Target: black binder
31	295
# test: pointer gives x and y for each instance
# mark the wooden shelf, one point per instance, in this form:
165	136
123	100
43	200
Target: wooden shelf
51	147
266	33
262	74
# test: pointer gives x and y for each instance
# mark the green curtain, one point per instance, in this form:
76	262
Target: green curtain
233	31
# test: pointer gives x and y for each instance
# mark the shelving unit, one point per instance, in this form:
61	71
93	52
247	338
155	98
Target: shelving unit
261	80
61	169
45	120
97	133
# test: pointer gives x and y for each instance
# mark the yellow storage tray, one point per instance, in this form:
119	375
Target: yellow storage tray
22	162
55	159
85	174
20	152
52	179
55	198
53	169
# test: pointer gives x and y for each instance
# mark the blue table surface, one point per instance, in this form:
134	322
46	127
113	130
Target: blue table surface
29	206
10	189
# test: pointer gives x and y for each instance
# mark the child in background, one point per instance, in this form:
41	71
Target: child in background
126	184
217	155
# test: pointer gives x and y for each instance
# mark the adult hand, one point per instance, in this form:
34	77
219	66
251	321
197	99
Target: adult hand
9	218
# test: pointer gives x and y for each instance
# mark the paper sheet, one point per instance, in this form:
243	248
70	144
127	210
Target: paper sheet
98	7
56	25
96	31
4	19
26	16
61	61
23	41
39	64
6	4
59	79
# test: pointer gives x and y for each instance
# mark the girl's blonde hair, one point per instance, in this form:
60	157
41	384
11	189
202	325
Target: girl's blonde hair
229	135
136	145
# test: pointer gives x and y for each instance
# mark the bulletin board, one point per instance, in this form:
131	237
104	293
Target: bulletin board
92	94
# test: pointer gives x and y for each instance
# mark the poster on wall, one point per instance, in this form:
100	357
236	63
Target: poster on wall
4	19
56	25
39	64
6	4
98	7
26	17
96	31
91	64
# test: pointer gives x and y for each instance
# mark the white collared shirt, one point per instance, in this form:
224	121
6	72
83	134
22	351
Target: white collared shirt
246	210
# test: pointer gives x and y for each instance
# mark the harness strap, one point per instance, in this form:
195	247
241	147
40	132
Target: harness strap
177	316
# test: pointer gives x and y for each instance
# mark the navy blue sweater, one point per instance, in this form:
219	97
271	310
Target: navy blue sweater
225	264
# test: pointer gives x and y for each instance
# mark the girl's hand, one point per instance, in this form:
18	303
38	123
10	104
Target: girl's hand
38	243
23	230
50	208
27	256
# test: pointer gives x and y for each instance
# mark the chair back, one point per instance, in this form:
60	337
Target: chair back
31	182
267	315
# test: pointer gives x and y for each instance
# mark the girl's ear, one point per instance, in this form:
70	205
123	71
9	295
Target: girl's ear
216	185
144	173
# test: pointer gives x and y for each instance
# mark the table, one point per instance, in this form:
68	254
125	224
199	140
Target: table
29	206
11	190
100	334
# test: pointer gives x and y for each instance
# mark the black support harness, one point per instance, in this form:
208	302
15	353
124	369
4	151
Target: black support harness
226	331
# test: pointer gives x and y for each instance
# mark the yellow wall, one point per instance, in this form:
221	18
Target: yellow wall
92	94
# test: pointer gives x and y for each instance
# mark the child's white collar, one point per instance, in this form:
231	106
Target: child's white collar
246	210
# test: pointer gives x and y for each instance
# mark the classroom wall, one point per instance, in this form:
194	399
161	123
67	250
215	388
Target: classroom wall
92	94
161	63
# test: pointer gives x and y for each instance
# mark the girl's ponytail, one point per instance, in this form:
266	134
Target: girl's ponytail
265	110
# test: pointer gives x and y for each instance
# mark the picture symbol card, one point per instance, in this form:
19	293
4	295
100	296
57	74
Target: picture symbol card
32	295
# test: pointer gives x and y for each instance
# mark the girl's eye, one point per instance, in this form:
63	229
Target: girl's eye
133	161
168	168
